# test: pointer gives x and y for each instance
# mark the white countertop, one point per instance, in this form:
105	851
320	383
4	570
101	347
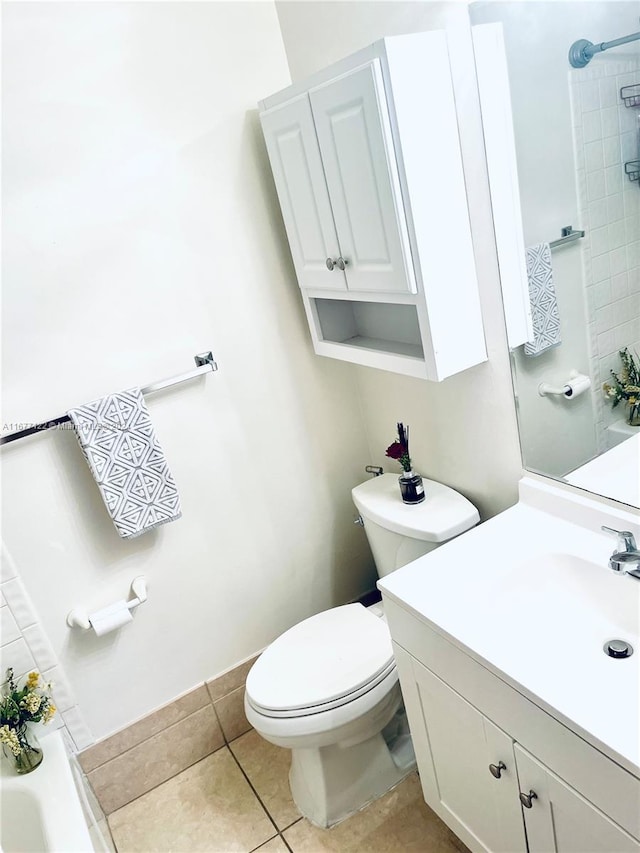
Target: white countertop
531	597
615	472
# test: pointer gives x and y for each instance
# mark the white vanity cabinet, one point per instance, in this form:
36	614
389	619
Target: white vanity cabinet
367	166
500	771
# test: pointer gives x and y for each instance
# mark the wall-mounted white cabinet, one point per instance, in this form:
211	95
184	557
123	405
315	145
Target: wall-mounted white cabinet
367	165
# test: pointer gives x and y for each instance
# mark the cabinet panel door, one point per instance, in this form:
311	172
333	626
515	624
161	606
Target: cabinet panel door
354	134
560	820
297	170
463	744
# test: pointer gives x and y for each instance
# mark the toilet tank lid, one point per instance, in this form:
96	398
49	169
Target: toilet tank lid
443	514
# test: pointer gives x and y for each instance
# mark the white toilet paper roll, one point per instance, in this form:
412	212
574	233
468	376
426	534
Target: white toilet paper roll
110	618
576	385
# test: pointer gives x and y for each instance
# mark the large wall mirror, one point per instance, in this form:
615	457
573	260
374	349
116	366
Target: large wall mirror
577	146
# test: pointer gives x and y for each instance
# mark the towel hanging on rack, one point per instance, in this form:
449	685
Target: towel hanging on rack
127	462
544	306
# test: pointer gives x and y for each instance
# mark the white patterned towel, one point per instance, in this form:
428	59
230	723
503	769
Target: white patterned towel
127	462
544	307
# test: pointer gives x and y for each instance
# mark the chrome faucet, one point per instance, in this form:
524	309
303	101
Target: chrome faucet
626	558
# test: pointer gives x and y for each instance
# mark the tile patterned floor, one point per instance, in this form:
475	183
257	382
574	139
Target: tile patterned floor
237	799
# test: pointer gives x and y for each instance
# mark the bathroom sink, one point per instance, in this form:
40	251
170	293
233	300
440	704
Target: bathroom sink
587	602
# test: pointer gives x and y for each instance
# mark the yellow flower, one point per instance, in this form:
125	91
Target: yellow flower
8	736
48	714
32	680
31	702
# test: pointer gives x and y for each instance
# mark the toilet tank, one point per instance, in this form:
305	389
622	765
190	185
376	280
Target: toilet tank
399	533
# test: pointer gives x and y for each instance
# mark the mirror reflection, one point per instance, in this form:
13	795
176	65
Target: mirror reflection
577	135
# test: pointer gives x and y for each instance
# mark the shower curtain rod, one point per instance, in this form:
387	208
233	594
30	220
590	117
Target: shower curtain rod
582	51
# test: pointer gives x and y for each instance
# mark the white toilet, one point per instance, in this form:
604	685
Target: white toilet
328	690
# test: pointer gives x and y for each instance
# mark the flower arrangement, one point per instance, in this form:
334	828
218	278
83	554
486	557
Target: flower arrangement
626	386
399	450
19	706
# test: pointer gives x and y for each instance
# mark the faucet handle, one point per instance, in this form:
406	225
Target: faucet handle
626	539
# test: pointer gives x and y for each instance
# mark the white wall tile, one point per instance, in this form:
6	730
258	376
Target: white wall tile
18	601
18	656
592	126
600	268
611	151
9	630
596	187
598	213
589	95
613	179
617	235
608	122
615	208
602	293
40	647
618	261
77	728
608	92
619	286
599	240
593	156
63	697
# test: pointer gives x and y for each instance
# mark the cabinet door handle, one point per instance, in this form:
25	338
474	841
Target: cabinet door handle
527	799
496	769
341	263
330	264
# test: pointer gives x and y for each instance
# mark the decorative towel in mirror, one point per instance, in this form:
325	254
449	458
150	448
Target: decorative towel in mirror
544	306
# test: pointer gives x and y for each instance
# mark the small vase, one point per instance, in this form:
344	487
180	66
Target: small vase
411	488
31	754
634	416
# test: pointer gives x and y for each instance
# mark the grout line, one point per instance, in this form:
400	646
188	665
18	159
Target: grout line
262	843
255	792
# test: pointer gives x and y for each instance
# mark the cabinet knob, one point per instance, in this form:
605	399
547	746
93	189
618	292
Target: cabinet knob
527	799
330	263
496	769
341	263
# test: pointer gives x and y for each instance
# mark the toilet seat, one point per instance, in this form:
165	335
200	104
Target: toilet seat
323	663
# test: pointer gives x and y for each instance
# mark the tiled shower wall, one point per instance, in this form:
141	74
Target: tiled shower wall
25	647
606	137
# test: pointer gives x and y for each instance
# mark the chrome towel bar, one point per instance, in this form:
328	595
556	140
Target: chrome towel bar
568	236
204	364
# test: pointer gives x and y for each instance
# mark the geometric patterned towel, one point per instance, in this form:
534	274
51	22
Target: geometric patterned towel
542	295
127	462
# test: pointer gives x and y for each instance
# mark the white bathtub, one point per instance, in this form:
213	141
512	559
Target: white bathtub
41	811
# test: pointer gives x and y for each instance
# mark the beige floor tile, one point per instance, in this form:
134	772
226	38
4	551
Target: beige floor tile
267	767
155	760
230	711
275	845
208	807
398	822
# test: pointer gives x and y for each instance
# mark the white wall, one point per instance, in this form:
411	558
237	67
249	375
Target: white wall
141	227
463	430
556	436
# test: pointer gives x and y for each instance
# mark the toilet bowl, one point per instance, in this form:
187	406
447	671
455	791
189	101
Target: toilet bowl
327	689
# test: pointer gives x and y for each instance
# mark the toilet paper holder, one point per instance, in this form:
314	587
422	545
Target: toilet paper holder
80	618
576	384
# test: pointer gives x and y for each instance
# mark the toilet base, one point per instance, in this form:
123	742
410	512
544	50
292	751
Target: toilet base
331	783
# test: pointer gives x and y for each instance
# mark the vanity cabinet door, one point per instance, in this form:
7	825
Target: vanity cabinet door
354	134
464	746
291	142
560	820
